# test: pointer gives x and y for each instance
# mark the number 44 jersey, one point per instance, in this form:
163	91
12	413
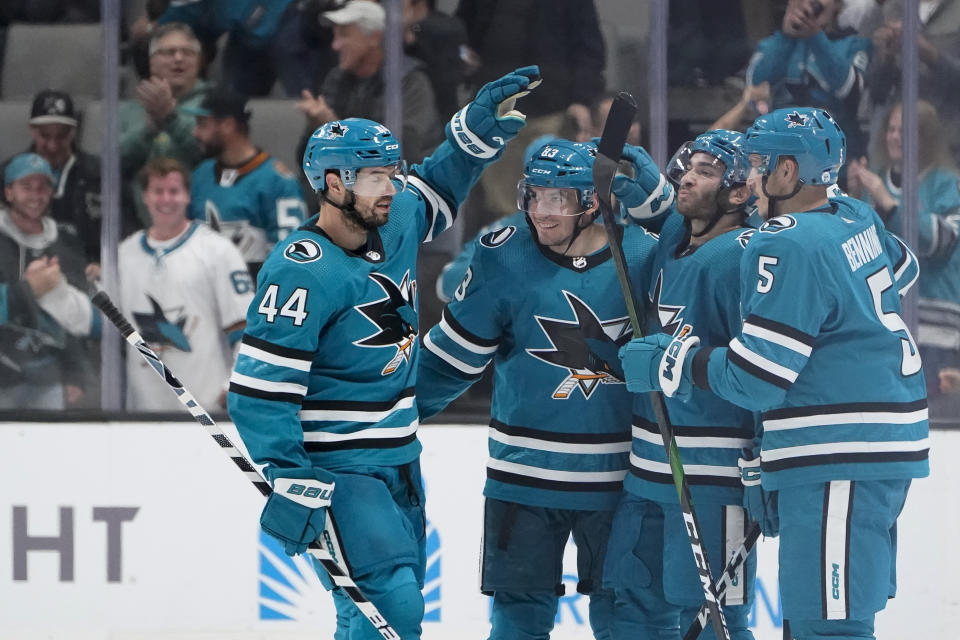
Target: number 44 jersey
823	351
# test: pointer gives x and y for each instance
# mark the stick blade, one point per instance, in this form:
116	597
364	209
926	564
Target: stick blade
609	149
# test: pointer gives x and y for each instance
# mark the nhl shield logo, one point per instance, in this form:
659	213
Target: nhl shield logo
579	262
303	251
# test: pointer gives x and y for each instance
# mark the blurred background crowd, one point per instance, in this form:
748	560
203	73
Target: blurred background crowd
218	97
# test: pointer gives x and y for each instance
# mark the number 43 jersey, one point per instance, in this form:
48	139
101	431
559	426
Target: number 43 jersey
552	325
823	351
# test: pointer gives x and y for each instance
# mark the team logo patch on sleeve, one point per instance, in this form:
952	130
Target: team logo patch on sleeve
498	237
303	251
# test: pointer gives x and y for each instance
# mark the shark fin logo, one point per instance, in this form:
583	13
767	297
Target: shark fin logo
158	330
395	320
586	347
670	316
303	251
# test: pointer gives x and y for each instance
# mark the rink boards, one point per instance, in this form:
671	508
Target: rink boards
120	531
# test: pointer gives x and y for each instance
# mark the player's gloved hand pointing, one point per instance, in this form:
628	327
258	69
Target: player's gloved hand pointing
648	193
296	511
660	363
761	505
483	127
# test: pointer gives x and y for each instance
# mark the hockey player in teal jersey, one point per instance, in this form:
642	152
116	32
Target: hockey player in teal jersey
824	354
323	388
241	191
540	300
694	290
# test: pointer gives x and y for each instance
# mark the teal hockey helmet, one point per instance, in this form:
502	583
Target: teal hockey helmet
808	135
562	165
724	145
347	146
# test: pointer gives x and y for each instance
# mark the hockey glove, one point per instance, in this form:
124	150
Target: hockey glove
296	511
660	363
483	127
761	505
648	193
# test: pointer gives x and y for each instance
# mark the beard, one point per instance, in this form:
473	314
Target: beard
368	221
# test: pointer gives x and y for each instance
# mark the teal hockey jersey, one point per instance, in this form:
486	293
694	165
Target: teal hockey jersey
823	351
254	206
326	371
694	291
938	225
552	325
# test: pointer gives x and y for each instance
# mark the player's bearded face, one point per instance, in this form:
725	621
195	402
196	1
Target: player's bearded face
699	187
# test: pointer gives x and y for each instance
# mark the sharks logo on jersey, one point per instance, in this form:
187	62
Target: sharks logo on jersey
744	238
394	317
158	330
586	347
670	316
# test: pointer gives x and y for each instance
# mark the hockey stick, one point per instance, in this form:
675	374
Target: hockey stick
609	150
720	587
326	556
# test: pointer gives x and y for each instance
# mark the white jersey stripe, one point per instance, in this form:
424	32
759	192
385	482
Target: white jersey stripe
435	201
853	417
362	434
432	347
835	549
895	446
559	447
554	474
688	469
343	415
268	385
689	442
777	338
767	365
451	333
271	358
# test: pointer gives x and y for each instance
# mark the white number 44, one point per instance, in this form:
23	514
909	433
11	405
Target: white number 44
294	307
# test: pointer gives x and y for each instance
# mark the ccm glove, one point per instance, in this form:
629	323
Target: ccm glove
660	363
484	126
761	505
648	193
296	511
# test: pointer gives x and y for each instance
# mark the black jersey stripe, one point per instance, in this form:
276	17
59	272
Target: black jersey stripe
276	349
695	432
464	333
357	405
757	372
359	443
553	436
847	407
698	480
843	458
277	396
701	371
782	329
554	485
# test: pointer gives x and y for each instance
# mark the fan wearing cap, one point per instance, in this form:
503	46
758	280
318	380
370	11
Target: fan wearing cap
240	190
76	187
41	294
355	87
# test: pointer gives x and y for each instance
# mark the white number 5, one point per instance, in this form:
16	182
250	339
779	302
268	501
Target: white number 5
766	276
910	361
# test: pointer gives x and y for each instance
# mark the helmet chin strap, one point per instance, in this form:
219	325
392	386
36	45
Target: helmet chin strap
718	214
349	210
577	230
772	200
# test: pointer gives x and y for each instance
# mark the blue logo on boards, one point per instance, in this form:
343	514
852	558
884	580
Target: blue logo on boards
290	589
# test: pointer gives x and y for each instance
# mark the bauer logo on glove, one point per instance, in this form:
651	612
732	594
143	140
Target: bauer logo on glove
483	127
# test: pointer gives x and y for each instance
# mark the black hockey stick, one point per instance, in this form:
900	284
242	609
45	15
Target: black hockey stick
720	587
609	151
327	556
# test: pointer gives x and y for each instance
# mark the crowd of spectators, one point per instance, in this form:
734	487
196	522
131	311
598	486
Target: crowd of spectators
194	70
